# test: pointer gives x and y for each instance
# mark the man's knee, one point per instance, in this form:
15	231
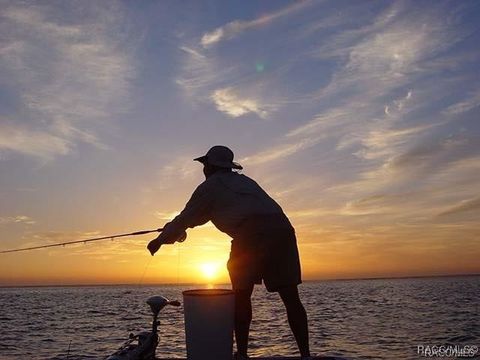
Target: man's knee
245	293
289	294
243	299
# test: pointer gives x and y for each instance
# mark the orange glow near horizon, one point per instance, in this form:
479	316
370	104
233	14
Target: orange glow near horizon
202	260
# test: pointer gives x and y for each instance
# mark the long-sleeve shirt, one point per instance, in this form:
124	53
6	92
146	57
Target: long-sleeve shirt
227	199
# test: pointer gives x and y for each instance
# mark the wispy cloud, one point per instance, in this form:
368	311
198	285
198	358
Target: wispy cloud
52	237
439	150
180	168
398	105
102	250
383	58
19	219
200	72
279	152
463	206
388	118
471	102
196	54
208	79
166	215
22	139
381	143
234	28
233	105
236	83
67	78
375	204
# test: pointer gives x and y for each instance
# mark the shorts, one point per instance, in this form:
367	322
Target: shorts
267	250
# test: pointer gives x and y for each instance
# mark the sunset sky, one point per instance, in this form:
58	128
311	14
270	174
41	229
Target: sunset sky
361	118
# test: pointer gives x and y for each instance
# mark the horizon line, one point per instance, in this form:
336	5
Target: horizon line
222	283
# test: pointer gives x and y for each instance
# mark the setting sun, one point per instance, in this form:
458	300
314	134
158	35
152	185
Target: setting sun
209	270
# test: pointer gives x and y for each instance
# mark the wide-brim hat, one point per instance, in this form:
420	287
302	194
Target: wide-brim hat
220	156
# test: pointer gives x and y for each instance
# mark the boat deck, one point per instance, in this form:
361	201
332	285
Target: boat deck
279	358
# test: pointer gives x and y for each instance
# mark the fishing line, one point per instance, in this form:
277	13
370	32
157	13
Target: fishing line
145	270
178	264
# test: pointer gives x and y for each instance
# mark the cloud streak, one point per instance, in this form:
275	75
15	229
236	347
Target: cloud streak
465	206
31	142
279	152
66	79
19	219
469	103
235	28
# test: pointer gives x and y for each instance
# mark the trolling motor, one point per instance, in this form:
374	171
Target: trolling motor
147	341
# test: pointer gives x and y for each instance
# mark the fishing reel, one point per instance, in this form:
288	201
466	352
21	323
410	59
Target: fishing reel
142	346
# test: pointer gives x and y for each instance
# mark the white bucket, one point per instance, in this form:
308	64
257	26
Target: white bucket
209	317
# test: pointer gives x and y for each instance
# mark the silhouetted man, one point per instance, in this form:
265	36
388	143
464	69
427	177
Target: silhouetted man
264	246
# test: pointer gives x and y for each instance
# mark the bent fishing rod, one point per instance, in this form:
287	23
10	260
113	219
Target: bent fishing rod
110	237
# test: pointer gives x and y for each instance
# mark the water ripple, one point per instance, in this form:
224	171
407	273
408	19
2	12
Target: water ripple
363	319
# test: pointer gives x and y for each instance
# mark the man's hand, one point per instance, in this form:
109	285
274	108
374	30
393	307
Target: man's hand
165	237
153	246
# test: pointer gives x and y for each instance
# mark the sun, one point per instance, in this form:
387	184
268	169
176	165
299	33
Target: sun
209	270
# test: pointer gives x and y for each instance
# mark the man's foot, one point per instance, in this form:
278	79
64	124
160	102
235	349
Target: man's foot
238	356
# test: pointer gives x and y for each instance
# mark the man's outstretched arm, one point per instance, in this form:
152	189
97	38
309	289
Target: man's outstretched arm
196	212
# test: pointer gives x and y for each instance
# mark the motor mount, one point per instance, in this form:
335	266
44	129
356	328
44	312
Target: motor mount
146	341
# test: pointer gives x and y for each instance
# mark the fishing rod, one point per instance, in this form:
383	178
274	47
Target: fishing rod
110	237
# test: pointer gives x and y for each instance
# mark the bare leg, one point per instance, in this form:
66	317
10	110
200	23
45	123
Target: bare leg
297	318
243	318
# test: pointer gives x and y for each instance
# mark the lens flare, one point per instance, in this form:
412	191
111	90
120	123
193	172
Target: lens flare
259	67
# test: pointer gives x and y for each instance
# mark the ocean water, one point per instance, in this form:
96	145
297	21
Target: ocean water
358	319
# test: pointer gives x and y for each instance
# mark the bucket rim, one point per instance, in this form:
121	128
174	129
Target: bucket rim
208	292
